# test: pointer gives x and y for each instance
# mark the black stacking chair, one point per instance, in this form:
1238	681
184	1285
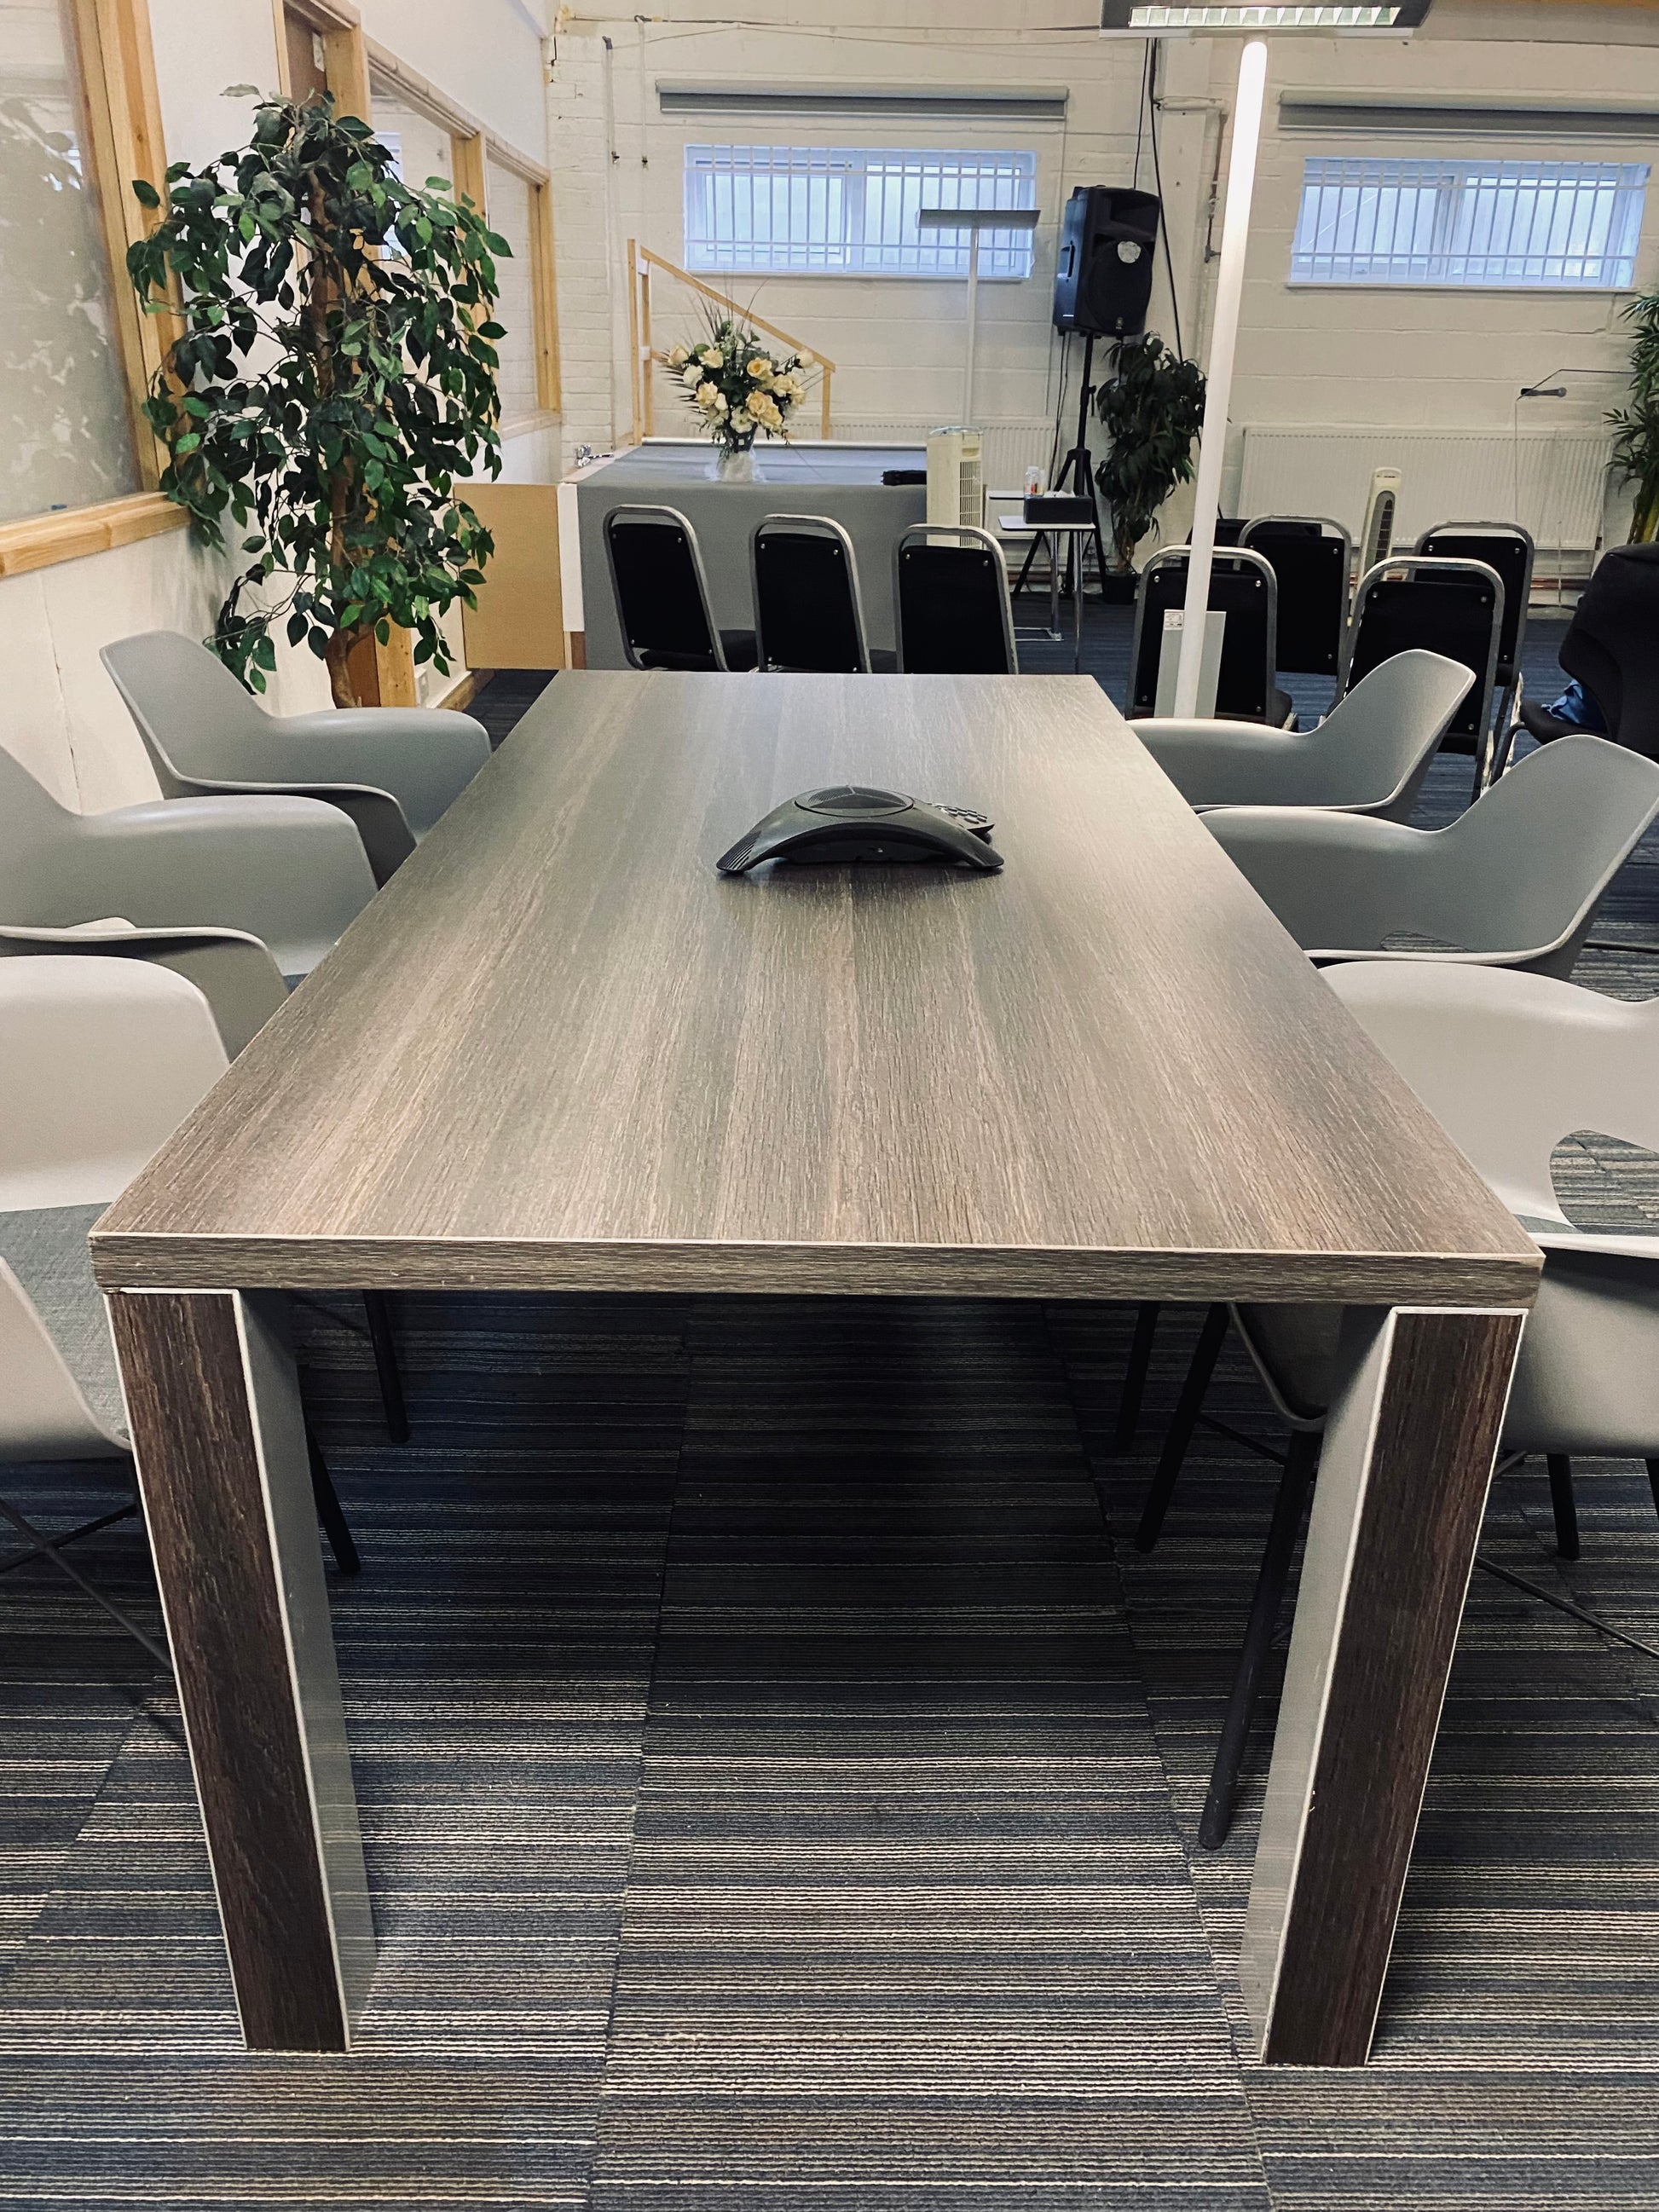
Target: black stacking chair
1310	559
1612	648
809	612
1244	588
662	594
1507	549
1229	530
950	596
1453	607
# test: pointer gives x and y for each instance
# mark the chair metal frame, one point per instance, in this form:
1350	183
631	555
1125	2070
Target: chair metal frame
1415	564
1508	702
1240	558
1325	522
958	530
659	516
824	525
1517	1167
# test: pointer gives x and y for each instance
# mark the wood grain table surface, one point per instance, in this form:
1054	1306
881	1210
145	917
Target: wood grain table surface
560	1050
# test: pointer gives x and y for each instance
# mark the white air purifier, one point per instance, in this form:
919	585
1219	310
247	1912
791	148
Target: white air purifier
956	478
1377	536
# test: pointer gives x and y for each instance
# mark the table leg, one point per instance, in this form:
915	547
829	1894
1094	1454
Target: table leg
219	1443
1407	1459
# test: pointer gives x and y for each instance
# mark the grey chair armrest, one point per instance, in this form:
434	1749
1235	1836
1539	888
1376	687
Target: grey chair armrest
382	822
290	871
234	972
424	756
1334	879
1216	763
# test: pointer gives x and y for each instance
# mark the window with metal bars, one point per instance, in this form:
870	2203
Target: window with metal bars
850	211
1567	226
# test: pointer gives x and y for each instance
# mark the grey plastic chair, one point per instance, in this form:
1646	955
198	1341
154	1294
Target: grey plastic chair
289	873
1510	1065
1514	882
1368	755
104	1058
392	769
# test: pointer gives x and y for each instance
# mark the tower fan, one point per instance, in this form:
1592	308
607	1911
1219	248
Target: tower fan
956	478
1377	536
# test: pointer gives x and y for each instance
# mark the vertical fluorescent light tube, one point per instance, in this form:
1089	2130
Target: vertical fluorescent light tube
972	334
1229	297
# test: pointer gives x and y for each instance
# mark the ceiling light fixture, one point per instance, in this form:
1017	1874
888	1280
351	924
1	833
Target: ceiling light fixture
1124	18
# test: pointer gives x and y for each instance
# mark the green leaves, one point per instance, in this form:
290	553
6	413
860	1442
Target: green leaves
1152	408
327	385
1636	447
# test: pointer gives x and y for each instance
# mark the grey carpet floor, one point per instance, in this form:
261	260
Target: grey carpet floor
779	1778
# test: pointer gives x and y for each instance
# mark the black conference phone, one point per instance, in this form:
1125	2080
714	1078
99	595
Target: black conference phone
851	821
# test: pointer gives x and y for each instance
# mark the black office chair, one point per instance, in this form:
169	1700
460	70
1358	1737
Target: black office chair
1244	588
1451	607
1507	549
809	612
662	594
1310	558
1612	648
951	597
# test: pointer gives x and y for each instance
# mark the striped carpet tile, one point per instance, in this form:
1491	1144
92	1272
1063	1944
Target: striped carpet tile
907	1921
495	1654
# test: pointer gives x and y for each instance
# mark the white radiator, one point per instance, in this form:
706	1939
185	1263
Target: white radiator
1010	447
1550	482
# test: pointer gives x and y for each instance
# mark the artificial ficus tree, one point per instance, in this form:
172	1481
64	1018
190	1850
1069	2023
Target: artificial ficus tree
1152	408
332	383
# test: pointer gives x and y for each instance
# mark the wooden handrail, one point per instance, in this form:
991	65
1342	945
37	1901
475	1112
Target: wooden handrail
641	261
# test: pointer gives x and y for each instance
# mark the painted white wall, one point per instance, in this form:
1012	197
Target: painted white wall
62	717
1311	356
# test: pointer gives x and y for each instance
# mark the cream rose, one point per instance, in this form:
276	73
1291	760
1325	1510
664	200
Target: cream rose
706	395
764	409
709	356
679	357
760	370
691	375
743	420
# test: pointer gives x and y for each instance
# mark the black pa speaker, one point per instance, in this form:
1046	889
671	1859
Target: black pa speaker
1103	278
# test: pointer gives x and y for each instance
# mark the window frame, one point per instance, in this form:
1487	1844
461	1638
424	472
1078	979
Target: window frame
854	173
1450	189
116	61
473	148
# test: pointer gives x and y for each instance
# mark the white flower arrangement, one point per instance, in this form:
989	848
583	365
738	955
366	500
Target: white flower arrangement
738	389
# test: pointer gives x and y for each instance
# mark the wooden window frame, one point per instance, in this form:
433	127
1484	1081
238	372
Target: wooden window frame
112	52
473	148
345	54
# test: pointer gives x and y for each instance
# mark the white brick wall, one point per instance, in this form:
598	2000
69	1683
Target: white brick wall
1337	357
589	286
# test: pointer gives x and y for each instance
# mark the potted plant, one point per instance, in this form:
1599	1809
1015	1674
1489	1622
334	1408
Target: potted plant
739	387
332	380
1636	447
1152	408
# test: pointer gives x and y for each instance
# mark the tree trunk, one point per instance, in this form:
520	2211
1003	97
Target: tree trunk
354	668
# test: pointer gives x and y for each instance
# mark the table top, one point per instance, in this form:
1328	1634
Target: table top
693	460
559	1050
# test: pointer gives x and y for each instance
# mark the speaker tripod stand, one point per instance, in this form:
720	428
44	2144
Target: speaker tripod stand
1076	474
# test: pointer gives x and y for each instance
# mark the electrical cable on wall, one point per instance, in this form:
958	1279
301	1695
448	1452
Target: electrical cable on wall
1162	208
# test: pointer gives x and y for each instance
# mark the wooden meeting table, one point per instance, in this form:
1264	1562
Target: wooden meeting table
559	1052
